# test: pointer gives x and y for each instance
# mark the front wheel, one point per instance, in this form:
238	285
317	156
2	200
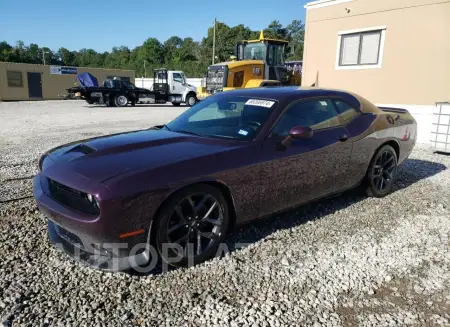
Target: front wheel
121	100
382	172
191	100
192	226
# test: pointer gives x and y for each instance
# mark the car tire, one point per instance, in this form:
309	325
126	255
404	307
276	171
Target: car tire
176	104
191	100
121	100
182	220
382	172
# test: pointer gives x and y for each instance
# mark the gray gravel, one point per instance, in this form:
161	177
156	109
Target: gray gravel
349	260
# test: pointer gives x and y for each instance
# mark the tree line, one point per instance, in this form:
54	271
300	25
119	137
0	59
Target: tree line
193	57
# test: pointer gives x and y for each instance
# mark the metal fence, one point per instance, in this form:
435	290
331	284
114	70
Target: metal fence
440	132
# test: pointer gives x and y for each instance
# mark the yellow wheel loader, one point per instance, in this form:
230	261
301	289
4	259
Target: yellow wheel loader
257	63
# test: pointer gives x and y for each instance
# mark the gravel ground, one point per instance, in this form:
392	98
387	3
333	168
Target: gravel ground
348	261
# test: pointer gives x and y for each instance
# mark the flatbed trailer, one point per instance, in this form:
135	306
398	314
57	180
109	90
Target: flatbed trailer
168	86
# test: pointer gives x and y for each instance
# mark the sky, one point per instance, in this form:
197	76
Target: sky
102	24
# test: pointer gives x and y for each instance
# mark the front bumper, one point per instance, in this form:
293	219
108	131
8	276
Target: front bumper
94	242
100	256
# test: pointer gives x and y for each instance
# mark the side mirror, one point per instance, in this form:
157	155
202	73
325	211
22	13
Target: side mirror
301	132
297	133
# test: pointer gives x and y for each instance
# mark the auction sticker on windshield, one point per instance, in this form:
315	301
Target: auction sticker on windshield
260	103
242	132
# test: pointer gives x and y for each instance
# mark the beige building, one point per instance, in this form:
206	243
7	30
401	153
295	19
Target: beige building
393	52
43	82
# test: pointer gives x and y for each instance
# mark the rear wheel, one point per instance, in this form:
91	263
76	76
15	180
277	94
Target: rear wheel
192	225
121	100
382	172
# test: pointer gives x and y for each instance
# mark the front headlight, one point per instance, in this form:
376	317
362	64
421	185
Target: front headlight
92	199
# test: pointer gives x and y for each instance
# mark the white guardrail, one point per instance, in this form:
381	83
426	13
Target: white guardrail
147	83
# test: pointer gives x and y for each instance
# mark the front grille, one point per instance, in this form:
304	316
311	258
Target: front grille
71	198
214	81
68	236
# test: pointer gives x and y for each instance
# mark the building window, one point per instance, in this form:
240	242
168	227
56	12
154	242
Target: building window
14	78
360	49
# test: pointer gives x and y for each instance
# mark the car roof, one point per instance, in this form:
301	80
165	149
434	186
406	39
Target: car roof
288	94
282	92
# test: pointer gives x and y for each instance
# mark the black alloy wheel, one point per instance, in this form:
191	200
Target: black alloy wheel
382	172
192	226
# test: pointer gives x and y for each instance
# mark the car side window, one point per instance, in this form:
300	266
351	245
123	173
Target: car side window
177	77
316	113
345	111
128	85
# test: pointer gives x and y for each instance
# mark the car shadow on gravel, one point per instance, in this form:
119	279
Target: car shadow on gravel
410	172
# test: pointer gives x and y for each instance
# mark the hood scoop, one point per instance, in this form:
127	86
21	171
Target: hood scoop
82	148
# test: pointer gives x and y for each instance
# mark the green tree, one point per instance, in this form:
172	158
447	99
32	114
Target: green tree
296	33
170	48
86	58
7	52
119	57
226	40
66	57
152	52
186	51
276	31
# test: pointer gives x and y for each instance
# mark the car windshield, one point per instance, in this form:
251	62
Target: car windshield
231	117
255	51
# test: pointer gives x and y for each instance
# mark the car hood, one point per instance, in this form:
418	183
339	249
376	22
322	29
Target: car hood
102	158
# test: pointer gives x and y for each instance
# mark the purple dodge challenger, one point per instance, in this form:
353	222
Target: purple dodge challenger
231	158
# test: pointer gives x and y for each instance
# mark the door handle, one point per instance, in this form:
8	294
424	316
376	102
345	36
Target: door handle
343	138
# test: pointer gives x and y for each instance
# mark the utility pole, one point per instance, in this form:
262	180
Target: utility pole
43	55
214	42
145	70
